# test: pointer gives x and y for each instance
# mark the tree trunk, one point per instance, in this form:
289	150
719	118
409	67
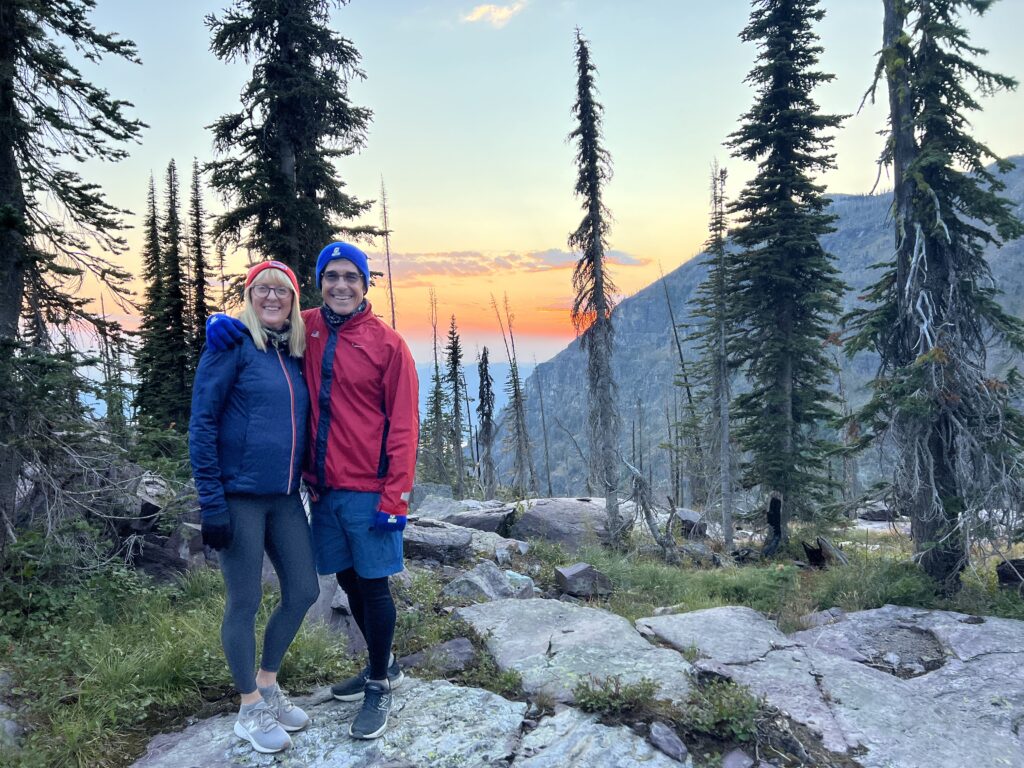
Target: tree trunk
13	257
724	437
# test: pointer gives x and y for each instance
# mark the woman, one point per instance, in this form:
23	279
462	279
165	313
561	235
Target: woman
246	441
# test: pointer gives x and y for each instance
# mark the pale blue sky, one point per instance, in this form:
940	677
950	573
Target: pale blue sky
470	121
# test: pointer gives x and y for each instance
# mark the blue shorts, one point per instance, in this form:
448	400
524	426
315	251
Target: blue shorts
343	536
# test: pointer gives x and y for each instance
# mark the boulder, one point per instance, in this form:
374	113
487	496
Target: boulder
164	558
737	758
857	710
491	520
1010	573
568	522
821	618
432	723
572	738
555	645
876	512
435	507
582	580
522	586
693	524
666	739
496	547
485	582
445	659
434	540
422	491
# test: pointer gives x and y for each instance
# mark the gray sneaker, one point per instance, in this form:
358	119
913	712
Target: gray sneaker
290	717
260	728
351	689
373	717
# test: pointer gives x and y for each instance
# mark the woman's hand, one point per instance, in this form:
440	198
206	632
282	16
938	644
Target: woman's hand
217	531
223	332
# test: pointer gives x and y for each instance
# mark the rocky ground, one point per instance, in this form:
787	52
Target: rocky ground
887	688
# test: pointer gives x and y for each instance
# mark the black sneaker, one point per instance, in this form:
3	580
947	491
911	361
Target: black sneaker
352	688
373	717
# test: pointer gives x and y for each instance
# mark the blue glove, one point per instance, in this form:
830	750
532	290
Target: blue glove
217	531
224	332
384	522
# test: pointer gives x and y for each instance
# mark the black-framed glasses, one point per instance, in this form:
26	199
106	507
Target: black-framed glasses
262	291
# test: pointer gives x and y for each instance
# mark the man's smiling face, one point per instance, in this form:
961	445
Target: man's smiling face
342	286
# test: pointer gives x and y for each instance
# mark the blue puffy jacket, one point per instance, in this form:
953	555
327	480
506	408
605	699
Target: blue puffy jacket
248	428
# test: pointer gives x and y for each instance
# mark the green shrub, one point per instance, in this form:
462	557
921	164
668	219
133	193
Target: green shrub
721	709
611	697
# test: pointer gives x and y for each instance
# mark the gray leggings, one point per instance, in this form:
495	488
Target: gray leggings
278	525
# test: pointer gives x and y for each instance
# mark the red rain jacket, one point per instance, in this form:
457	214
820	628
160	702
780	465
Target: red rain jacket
364	416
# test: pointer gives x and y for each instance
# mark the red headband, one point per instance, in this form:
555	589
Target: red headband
272	265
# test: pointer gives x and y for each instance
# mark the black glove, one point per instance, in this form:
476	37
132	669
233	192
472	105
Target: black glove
217	531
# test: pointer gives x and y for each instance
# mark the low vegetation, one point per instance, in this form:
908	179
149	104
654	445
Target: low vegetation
100	657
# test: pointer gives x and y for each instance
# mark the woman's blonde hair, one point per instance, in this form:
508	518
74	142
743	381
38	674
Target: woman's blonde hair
296	327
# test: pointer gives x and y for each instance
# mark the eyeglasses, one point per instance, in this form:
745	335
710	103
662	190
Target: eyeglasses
262	291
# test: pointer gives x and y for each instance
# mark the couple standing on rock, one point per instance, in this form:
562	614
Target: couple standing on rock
328	395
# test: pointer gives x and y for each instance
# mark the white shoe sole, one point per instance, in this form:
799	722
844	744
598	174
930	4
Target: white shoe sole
243	734
359	696
369	736
294	728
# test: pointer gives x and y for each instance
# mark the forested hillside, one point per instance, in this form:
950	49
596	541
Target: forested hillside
646	362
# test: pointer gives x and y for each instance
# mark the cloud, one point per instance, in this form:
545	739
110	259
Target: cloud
556	258
495	15
417	269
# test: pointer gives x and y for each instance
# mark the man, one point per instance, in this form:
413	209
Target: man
360	463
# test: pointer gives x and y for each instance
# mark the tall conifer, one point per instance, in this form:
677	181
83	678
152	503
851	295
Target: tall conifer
453	378
200	258
54	225
151	360
958	439
177	339
434	455
784	288
592	307
278	154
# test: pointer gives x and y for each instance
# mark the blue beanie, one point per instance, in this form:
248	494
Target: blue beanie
342	251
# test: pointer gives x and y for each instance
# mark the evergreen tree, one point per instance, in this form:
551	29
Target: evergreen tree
592	307
711	305
783	289
524	477
485	412
434	454
152	358
958	440
201	306
453	378
177	340
51	119
277	155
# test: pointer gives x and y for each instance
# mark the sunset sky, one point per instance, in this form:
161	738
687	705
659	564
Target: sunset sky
471	113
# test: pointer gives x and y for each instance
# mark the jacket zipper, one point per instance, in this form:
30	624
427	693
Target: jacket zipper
291	398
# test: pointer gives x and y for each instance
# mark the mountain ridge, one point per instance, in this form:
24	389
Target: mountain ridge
645	359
